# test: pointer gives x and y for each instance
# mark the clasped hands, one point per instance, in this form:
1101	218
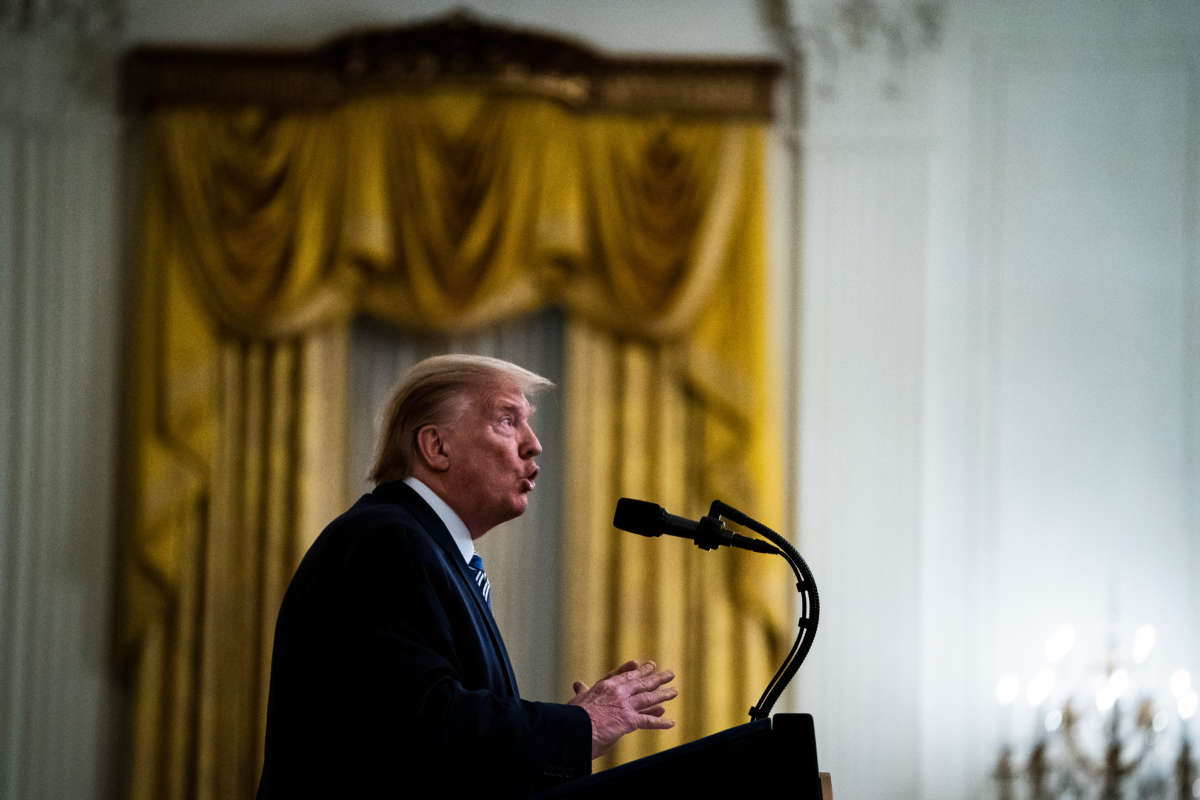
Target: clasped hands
629	698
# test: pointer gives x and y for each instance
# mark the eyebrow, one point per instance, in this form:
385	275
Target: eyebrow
514	408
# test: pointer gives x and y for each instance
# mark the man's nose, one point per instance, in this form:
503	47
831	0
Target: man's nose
531	447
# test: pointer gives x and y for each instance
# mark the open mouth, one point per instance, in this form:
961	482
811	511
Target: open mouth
527	483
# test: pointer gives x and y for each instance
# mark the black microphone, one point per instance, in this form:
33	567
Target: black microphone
649	519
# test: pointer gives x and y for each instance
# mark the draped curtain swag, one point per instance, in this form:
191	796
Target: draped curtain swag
263	232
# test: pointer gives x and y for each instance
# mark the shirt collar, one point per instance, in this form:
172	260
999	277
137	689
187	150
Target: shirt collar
454	524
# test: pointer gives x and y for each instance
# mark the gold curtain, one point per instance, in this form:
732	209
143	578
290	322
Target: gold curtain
263	234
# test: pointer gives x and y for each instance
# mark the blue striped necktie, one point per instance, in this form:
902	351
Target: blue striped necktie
481	579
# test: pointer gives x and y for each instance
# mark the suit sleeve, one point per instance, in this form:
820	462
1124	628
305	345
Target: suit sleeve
416	649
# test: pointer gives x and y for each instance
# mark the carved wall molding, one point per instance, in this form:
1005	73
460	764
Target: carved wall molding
458	48
58	56
84	18
835	37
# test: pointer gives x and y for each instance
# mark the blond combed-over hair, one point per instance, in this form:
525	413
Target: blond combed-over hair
433	392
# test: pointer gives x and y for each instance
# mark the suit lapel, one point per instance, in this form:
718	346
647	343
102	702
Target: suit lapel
400	492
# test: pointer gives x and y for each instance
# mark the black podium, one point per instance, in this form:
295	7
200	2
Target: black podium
779	753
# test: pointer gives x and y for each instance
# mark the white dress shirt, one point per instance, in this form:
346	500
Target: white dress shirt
454	524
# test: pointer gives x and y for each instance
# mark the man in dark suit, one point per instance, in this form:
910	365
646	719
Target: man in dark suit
388	673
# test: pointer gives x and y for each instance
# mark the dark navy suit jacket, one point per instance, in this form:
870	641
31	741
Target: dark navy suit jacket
389	673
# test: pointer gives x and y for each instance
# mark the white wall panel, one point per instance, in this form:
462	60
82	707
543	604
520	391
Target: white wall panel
59	285
1061	400
1042	467
860	444
1089	217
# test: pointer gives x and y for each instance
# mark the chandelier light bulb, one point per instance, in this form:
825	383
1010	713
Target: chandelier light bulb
1106	698
1144	640
1119	682
1053	721
1187	705
1181	683
1060	643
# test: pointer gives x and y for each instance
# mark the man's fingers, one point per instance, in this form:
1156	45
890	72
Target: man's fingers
628	666
579	686
654	698
657	711
647	722
651	681
638	677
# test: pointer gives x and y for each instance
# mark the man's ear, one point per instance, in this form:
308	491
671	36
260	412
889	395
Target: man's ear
431	447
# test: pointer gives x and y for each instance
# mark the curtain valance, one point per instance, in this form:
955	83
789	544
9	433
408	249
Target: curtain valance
449	208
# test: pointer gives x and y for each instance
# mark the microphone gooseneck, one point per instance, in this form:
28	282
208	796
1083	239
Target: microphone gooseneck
709	532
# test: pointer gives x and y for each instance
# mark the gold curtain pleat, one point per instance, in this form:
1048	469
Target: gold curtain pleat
264	234
268	478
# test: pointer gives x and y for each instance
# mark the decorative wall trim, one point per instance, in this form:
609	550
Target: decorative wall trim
830	34
79	17
59	297
454	48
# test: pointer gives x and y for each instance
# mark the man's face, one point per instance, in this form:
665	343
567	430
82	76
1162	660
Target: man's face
492	448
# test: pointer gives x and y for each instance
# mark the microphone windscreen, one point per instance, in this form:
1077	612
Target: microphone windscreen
639	516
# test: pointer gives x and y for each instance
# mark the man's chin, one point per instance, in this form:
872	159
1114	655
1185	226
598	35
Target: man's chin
516	508
519	505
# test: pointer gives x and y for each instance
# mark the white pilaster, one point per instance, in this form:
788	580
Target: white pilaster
59	296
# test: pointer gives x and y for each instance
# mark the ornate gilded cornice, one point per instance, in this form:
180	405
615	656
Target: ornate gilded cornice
456	49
